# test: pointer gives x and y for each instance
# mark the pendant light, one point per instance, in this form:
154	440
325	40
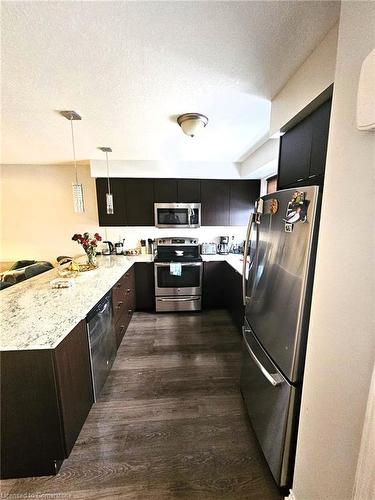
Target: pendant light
79	206
108	196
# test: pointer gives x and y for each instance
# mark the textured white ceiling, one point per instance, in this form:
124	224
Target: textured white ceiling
130	67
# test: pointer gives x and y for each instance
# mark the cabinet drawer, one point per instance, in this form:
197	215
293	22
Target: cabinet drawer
122	324
128	279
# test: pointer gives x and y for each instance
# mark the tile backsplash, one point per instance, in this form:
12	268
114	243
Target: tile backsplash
204	234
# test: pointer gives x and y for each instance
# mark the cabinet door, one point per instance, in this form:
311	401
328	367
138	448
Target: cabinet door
234	300
118	218
295	150
144	286
215	202
73	373
320	128
31	441
139	200
189	190
165	190
214	285
242	199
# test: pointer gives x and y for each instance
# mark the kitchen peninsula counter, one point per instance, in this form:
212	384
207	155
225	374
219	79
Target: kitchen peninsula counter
36	316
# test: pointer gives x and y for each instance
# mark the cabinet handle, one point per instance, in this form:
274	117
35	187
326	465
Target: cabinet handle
128	290
312	176
119	285
119	304
299	180
130	311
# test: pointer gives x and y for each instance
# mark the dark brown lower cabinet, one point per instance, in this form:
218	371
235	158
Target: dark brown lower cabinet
46	395
214	285
222	288
144	286
123	298
234	300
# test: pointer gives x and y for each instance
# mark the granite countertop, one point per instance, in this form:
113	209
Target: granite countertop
36	316
234	260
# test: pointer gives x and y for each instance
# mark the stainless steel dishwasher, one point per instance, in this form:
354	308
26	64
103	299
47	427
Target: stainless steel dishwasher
102	342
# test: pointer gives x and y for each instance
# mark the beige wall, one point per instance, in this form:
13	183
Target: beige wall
314	76
37	217
340	352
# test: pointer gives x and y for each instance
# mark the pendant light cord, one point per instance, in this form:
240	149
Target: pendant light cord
108	183
74	150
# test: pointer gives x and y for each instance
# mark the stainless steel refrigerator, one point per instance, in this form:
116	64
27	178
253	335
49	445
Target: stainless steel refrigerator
281	244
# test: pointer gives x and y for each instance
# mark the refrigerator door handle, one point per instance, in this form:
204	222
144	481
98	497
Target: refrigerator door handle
245	251
274	378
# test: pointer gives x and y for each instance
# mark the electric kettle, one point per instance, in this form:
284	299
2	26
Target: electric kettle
107	248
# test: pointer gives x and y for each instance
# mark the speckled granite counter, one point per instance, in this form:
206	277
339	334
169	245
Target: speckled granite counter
35	316
234	260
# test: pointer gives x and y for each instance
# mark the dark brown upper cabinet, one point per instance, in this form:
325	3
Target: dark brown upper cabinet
242	198
295	152
224	202
303	149
166	191
189	191
118	218
215	196
139	201
320	128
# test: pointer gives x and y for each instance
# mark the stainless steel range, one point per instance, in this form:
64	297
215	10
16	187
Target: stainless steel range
178	275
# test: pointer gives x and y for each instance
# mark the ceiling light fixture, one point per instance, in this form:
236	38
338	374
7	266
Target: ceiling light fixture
79	206
108	195
192	123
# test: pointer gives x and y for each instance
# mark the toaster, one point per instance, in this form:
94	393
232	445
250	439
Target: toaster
208	249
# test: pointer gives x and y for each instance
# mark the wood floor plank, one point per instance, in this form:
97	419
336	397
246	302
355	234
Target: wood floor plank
169	424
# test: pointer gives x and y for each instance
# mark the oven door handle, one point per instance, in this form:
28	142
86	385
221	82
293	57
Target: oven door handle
177	299
167	264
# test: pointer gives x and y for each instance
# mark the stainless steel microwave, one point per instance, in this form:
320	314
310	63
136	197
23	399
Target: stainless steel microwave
177	214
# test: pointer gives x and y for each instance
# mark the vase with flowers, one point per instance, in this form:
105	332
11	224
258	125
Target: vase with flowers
89	243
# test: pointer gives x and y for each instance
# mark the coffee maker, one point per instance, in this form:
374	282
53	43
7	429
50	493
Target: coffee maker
223	246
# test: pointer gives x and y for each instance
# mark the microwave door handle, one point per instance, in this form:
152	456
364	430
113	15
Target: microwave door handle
190	215
245	252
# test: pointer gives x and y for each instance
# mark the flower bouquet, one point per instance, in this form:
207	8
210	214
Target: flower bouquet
89	243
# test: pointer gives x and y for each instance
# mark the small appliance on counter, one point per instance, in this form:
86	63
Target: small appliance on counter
107	248
237	248
208	248
143	247
150	246
223	246
119	248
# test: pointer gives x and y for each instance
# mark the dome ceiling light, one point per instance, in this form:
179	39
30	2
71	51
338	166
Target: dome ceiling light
192	123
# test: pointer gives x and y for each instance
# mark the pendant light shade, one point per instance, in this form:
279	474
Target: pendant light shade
78	200
108	196
192	123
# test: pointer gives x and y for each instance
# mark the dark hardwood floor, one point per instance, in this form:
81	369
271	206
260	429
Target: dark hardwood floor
170	422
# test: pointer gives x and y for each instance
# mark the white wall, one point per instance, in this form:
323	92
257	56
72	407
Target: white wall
177	169
37	216
314	76
263	162
340	351
207	234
